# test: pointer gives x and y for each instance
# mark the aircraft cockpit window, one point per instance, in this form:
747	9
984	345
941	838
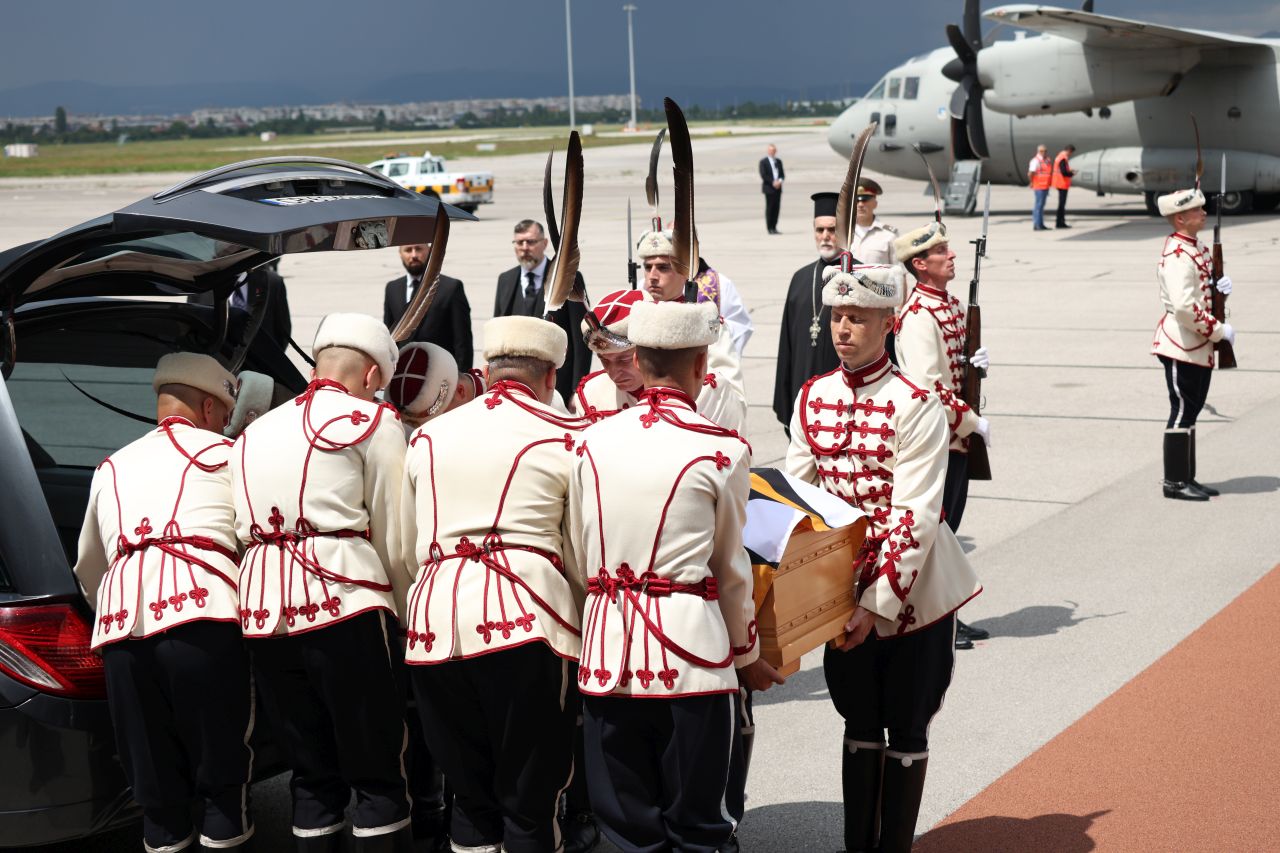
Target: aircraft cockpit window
877	93
911	88
894	86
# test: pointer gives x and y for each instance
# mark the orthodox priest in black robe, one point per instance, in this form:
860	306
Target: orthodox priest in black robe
804	343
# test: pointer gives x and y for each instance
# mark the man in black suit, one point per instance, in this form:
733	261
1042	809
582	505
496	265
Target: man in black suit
448	320
276	321
521	291
771	177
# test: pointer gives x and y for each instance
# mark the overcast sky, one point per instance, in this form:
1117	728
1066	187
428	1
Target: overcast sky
338	46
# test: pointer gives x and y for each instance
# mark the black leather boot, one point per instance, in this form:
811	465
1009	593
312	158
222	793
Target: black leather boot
900	795
1191	468
860	773
971	633
400	841
1177	459
330	843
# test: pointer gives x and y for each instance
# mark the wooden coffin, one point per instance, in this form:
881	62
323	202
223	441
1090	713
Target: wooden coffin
809	596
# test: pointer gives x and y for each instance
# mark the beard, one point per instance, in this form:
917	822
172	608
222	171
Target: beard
828	252
415	269
529	265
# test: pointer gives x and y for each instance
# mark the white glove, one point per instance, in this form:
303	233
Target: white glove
984	429
1224	285
1228	334
980	359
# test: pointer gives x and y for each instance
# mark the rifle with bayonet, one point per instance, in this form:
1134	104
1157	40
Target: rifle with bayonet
633	269
1218	299
971	393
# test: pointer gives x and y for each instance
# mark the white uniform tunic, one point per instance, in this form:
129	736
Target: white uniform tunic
598	397
930	340
1187	331
158	547
874	245
317	494
483	519
878	440
659	495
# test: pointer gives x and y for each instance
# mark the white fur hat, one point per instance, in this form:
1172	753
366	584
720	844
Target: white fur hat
866	286
424	380
358	332
1176	202
199	371
673	325
919	241
253	401
614	313
527	336
655	243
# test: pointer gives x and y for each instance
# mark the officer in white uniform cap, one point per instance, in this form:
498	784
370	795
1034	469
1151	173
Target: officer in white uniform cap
157	560
1185	336
868	434
618	385
658	504
317	492
492	621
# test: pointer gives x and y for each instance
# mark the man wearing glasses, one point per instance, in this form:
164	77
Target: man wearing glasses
520	292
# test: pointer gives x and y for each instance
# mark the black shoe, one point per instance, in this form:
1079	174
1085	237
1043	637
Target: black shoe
1040	228
579	830
400	841
330	843
963	643
1203	489
971	633
1062	225
1183	492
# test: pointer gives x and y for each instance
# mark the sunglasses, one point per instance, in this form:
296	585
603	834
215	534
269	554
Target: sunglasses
864	197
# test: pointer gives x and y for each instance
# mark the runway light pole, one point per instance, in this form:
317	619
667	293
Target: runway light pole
568	35
631	53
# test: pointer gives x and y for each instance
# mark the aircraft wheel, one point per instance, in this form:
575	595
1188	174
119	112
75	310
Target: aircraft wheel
1150	199
1237	202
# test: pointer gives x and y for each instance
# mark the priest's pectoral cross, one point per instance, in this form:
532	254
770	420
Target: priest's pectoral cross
815	329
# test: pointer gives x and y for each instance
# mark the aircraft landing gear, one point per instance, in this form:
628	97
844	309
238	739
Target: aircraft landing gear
1234	203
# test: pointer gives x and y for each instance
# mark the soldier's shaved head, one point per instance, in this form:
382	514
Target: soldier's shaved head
539	375
200	407
351	368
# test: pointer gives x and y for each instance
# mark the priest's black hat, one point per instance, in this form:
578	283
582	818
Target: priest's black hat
824	204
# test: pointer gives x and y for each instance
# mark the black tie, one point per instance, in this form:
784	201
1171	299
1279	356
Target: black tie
531	288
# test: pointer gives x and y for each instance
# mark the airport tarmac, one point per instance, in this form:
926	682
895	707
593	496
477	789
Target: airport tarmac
1090	576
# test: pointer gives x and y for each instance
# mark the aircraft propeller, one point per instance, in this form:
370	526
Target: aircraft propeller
968	136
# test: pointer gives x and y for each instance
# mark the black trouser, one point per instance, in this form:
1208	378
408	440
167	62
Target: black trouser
1188	386
658	770
182	710
735	797
955	489
1062	207
772	204
894	684
501	727
339	715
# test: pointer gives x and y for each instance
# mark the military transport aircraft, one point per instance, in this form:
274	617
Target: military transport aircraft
1121	91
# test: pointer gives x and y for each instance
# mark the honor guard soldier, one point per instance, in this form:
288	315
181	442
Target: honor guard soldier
425	384
930	340
317	491
868	434
872	239
659	497
619	385
664	282
1185	337
158	555
804	342
492	620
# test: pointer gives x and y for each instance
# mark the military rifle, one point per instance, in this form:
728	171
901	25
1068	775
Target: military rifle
971	393
1217	299
633	269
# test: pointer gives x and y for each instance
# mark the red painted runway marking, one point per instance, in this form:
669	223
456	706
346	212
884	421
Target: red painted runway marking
1185	757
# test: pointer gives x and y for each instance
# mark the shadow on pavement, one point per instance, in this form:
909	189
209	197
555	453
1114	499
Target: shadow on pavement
807	684
1048	833
810	826
1247	485
1038	620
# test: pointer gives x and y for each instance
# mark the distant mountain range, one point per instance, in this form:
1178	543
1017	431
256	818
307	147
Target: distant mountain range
84	98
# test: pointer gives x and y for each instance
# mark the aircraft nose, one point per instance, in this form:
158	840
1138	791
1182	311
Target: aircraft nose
840	134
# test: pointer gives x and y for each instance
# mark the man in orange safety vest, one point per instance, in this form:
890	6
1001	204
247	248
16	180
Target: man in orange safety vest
1062	174
1040	174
